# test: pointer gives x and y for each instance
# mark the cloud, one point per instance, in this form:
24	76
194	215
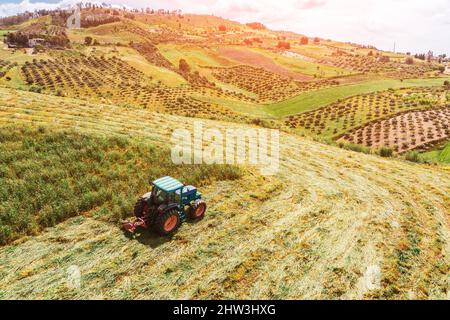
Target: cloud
311	4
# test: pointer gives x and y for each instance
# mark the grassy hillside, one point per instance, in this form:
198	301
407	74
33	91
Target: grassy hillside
318	229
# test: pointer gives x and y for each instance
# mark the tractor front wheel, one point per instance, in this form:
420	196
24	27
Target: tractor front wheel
168	223
197	210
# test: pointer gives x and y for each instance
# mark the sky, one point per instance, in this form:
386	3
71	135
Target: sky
413	25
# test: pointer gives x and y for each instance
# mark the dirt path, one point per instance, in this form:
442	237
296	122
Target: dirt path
331	224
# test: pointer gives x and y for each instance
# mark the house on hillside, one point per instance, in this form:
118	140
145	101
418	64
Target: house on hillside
447	69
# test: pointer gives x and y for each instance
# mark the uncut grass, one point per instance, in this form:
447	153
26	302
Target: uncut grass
47	176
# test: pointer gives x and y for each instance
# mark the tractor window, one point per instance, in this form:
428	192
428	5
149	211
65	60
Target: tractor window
159	196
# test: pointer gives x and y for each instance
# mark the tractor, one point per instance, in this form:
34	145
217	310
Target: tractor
166	207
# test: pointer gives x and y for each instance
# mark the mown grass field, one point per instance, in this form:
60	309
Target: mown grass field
316	230
316	99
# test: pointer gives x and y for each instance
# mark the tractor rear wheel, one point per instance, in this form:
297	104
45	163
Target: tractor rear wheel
197	210
168	223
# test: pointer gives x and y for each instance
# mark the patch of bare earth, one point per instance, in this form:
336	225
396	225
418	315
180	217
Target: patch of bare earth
260	61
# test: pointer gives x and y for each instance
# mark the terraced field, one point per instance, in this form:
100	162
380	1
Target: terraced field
316	230
314	100
403	119
404	132
113	80
5	67
380	64
267	85
340	117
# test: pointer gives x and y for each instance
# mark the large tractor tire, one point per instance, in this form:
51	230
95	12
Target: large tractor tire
197	210
168	223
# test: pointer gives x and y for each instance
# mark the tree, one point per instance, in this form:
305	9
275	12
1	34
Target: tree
420	56
385	59
88	41
256	26
304	41
222	28
184	66
409	60
316	40
284	45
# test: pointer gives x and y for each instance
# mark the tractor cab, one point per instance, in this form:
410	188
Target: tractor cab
167	206
187	194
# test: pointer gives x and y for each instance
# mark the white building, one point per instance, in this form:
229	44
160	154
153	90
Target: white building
36	41
447	69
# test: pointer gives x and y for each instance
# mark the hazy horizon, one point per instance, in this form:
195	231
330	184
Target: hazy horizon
416	26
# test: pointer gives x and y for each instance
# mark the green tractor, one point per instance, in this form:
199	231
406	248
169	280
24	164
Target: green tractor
166	207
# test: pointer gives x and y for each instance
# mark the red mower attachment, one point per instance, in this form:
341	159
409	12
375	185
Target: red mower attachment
132	226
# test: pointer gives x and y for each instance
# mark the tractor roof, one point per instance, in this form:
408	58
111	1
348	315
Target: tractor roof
168	184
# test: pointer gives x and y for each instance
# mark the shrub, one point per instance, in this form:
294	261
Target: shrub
256	26
222	28
385	152
356	148
304	41
184	66
88	41
413	156
409	60
284	45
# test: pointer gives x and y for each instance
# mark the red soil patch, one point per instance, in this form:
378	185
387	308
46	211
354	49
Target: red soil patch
260	61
